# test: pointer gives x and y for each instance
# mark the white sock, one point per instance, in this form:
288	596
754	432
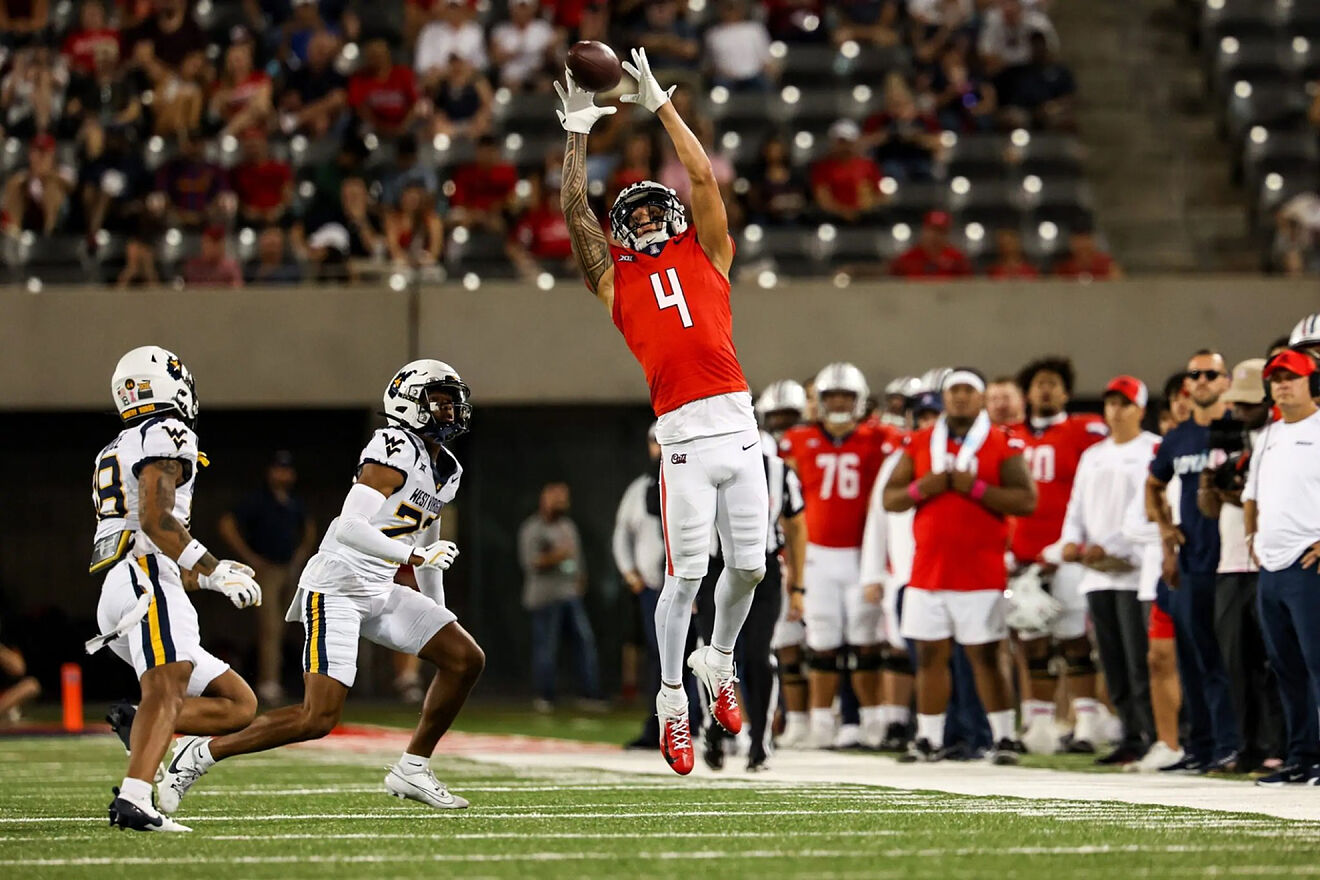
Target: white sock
822	718
1001	724
720	660
204	758
871	715
413	763
136	791
1085	706
795	719
1032	709
899	714
674	699
931	729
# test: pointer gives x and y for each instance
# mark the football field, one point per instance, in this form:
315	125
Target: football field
559	808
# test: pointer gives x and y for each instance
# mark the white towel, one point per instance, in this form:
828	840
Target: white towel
125	623
939	444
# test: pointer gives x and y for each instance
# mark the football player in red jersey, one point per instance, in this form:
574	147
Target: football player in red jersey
1054	443
666	287
965	477
837	459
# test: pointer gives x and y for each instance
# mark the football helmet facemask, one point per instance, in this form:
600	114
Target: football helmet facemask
408	400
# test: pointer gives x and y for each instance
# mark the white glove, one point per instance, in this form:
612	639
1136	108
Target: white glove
580	111
439	555
235	580
649	92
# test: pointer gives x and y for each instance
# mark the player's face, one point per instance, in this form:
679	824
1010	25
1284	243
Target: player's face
1253	415
963	401
1046	394
925	419
441	403
647	218
1003	401
780	420
836	403
1208	378
895	404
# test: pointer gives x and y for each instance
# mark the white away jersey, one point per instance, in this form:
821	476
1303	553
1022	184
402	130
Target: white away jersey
407	515
115	484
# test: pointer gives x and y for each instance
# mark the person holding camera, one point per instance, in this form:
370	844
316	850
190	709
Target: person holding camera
1281	510
1191	554
1237	627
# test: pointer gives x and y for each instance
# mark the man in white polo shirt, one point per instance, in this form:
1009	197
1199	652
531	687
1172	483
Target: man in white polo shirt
1282	513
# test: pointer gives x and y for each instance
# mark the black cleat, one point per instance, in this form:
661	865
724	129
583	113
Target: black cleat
1120	757
712	749
921	751
1290	774
1188	766
124	814
896	738
1230	763
756	761
1007	752
120	717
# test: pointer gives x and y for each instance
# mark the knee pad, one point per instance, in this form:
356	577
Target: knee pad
749	577
1077	662
896	660
792	673
824	661
869	659
1038	668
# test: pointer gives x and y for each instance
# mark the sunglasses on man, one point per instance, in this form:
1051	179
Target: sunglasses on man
1208	375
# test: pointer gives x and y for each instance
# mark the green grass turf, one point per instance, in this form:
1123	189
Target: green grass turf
317	813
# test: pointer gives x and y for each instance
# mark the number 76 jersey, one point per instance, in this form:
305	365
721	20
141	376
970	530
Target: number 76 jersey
672	308
837	476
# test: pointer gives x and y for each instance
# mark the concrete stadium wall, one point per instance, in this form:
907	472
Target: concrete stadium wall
337	347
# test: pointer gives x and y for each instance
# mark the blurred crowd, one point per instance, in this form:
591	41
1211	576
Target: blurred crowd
198	124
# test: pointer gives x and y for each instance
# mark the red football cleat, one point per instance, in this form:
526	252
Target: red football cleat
721	686
676	742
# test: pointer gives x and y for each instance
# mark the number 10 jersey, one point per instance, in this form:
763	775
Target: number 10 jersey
672	307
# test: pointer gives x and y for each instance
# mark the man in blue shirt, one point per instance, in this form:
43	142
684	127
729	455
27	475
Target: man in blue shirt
1214	737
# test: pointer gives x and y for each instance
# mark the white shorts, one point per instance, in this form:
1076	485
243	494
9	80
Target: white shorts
969	617
834	609
891	631
1064	586
788	633
169	632
397	618
717	481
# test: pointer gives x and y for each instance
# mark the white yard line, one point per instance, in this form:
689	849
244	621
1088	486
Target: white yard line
969	778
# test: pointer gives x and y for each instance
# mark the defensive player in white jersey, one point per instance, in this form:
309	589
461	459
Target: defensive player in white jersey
142	489
391	516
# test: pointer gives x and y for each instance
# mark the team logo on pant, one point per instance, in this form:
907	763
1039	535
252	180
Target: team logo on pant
678	459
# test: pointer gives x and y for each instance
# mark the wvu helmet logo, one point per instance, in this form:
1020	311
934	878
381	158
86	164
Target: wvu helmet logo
175	368
179	437
397	385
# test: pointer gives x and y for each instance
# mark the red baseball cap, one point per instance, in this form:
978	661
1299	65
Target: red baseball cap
1130	387
1291	360
938	219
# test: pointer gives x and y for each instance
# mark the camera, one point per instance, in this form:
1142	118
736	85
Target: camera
1230	436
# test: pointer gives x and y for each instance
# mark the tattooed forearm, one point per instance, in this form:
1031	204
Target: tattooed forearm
589	244
157	485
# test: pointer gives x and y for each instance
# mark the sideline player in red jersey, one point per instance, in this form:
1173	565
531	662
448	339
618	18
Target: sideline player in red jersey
965	477
667	289
1054	443
837	459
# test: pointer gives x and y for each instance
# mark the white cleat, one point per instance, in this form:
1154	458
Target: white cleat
1040	737
1157	758
873	735
821	736
795	736
182	773
422	786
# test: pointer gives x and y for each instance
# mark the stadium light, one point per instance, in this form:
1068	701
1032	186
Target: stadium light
371	142
503	95
306	189
247	236
448	188
398	282
1032	184
901	232
948	139
147	98
1020	137
1048	230
545	281
102	238
803	140
173	238
696	5
1274	181
888	185
826	232
975	232
753	233
27	238
790	94
741	186
730	140
298	143
513	142
351	52
1242	88
155	144
1259	134
767	279
34	285
460	235
203	8
440	143
810	23
960	185
1301	45
596	188
523	188
849	49
471	281
719	95
1229	46
778	49
229	143
1216	5
842	279
861	93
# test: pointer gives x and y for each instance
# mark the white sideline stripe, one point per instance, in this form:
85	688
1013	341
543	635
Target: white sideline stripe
516	835
664	855
435	814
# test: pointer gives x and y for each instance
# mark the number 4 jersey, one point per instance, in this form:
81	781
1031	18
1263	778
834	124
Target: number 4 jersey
115	485
405	516
672	308
837	476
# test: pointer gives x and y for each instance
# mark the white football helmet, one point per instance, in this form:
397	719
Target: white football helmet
1307	332
640	194
933	379
904	386
843	377
406	400
784	395
150	379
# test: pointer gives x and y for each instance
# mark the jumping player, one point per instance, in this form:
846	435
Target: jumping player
667	289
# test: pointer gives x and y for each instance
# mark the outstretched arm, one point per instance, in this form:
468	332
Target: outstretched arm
708	213
590	247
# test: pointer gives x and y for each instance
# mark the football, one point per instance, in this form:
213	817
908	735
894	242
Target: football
594	65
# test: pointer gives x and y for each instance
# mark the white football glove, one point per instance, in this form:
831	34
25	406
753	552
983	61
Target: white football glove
580	111
235	580
438	556
649	93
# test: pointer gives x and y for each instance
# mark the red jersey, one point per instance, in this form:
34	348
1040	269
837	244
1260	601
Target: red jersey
960	542
390	98
917	263
81	47
483	188
673	311
837	476
1052	454
261	185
